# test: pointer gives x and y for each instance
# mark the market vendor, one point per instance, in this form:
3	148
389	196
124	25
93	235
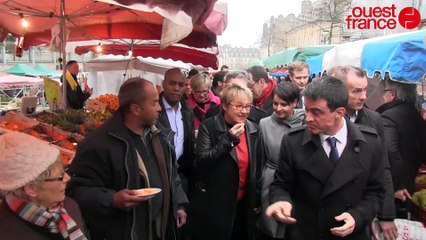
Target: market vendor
75	95
32	183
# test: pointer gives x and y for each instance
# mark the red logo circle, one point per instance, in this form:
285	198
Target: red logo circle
409	18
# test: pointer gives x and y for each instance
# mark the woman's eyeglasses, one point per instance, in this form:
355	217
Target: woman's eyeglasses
57	179
241	107
201	92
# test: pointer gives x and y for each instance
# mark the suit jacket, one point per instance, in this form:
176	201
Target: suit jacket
320	190
186	161
373	119
405	139
214	201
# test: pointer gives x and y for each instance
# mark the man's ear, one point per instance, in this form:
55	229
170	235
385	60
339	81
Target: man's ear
340	112
30	190
262	81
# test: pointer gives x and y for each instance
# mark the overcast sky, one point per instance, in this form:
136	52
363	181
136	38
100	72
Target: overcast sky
246	18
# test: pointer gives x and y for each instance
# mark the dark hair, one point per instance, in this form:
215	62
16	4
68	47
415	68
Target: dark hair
287	91
192	73
218	77
330	89
224	66
71	62
132	91
258	72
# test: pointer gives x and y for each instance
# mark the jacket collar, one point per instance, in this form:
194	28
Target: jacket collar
115	125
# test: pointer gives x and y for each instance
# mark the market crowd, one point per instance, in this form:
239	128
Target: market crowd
237	156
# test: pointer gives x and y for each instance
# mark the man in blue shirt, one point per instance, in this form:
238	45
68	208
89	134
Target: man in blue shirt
178	117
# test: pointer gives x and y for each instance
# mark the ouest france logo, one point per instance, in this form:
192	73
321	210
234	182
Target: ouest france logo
383	18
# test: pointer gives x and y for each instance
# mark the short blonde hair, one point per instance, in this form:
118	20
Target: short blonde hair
199	80
233	91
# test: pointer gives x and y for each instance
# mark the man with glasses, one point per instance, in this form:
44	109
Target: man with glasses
356	81
405	139
262	87
128	153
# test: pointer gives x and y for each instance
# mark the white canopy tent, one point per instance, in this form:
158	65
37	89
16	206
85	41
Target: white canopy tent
108	72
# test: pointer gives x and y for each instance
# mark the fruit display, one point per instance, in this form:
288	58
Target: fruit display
66	142
110	100
69	121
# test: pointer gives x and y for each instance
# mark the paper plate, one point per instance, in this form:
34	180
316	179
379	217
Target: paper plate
147	192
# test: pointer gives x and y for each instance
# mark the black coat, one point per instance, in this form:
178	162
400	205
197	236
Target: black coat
405	139
320	190
372	119
186	161
214	201
76	97
105	163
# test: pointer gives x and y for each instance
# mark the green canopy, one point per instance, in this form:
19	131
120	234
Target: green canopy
256	63
45	69
295	54
22	69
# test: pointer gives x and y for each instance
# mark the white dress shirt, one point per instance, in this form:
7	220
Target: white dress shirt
342	139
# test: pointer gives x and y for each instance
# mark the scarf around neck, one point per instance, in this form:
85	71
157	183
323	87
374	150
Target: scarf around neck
54	220
71	81
267	92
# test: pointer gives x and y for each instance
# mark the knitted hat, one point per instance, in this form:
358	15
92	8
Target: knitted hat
22	159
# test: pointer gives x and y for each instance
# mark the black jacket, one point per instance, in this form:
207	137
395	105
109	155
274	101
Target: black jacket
105	163
372	119
268	106
76	97
186	161
214	201
405	139
255	114
320	190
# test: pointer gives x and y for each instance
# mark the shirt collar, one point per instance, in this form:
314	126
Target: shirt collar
354	116
340	135
168	107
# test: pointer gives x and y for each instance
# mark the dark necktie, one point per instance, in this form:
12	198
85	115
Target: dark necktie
334	155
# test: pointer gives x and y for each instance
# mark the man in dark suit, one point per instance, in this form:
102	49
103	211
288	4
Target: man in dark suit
179	118
329	182
356	81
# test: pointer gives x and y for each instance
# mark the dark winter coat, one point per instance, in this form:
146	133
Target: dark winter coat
105	163
186	161
320	190
405	139
372	119
214	201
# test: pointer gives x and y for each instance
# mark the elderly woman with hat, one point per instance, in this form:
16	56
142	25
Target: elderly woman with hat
32	183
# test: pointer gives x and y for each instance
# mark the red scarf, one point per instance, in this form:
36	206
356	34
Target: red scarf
267	92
